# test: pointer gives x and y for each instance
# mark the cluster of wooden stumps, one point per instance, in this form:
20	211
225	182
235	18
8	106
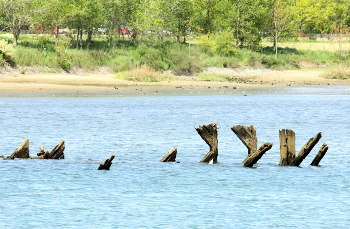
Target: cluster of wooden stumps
23	152
247	134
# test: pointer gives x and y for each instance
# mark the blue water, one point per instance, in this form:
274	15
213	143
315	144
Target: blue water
140	192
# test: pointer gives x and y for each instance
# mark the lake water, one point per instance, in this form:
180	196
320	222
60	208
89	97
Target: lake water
140	192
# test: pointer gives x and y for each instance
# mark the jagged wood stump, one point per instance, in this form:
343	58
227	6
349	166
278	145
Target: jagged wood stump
255	156
248	137
323	150
57	152
306	150
287	146
107	164
22	151
170	156
209	134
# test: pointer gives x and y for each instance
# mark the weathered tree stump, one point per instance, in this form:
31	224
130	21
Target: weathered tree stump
255	156
248	137
306	150
57	152
323	150
247	134
22	151
287	146
209	134
170	156
107	164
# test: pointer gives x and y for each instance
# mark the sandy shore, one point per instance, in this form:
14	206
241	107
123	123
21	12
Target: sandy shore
105	85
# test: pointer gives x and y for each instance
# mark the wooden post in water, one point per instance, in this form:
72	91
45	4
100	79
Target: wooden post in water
248	137
247	134
209	134
57	152
323	150
107	164
306	150
255	156
22	151
170	156
287	146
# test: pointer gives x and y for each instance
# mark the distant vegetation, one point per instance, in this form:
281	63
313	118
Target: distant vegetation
181	36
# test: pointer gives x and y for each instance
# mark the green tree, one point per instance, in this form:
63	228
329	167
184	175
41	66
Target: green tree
16	14
280	21
177	15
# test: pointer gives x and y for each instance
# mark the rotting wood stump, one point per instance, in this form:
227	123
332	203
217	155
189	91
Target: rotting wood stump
107	164
323	150
247	134
255	156
170	156
287	148
22	151
209	134
57	152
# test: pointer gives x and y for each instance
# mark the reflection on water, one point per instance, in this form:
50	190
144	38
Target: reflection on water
140	192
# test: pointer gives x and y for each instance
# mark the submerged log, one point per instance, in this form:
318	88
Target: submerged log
306	150
255	156
22	151
287	146
209	134
107	164
323	150
57	152
248	137
170	156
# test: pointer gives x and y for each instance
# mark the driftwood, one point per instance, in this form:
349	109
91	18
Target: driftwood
248	137
323	150
209	134
22	151
170	156
306	150
255	156
287	146
107	164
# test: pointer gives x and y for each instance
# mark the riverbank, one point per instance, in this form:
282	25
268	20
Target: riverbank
97	84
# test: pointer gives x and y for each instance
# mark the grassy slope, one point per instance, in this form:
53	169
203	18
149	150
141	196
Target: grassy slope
184	59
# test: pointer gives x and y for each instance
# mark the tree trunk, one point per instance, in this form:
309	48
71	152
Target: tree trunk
89	38
210	135
306	150
248	137
287	146
77	44
107	164
323	150
255	156
22	151
170	156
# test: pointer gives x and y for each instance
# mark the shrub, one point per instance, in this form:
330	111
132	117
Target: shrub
6	53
